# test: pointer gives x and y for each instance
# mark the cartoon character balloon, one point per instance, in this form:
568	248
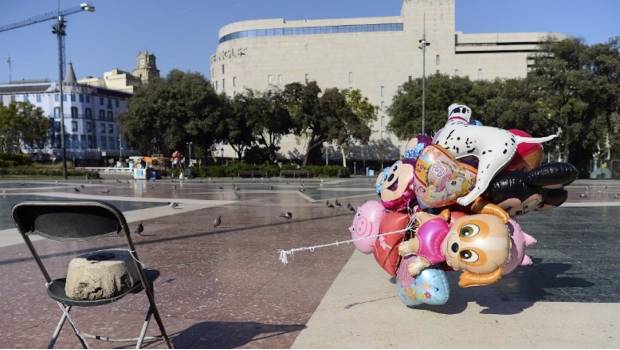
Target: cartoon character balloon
365	227
520	241
415	146
440	179
392	232
429	287
396	189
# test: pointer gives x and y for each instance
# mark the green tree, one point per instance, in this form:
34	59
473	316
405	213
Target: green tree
575	90
323	119
22	124
166	113
270	120
233	125
365	112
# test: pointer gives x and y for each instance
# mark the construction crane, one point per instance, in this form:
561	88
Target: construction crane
60	30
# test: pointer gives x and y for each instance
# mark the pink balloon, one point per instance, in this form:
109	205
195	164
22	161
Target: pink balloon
520	241
366	225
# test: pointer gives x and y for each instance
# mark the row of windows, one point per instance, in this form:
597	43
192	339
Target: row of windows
66	97
86	142
87	114
349	28
89	127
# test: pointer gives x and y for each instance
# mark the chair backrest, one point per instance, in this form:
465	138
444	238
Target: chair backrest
69	220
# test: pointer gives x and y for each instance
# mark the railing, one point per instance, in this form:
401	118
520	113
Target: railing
109	170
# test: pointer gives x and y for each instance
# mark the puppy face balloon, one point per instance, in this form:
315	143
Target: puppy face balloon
396	190
365	227
440	179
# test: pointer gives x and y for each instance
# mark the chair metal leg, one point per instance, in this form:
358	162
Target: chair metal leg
149	291
65	312
63	318
145	326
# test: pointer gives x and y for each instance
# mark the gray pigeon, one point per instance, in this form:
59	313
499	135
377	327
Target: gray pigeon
139	229
82	186
286	215
337	202
218	221
329	204
350	207
76	189
174	205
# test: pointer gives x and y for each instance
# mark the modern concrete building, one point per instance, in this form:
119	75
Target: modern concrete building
375	55
91	115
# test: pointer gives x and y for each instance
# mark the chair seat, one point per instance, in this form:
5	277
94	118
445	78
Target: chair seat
56	291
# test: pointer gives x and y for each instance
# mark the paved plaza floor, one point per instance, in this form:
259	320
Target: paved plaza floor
225	287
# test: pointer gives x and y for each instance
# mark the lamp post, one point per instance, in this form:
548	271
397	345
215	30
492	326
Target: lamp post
423	45
189	153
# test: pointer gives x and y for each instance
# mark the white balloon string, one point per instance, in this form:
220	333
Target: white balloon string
283	254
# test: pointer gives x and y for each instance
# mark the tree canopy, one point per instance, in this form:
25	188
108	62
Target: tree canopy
22	124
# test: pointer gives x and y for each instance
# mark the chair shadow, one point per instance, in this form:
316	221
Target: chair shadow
227	335
516	292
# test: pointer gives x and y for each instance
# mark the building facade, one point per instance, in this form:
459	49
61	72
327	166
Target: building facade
90	116
375	55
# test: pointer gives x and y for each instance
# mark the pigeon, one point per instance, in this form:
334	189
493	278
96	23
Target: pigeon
217	221
118	181
82	186
139	229
286	215
173	205
337	202
301	189
76	189
350	207
221	188
105	190
617	195
328	204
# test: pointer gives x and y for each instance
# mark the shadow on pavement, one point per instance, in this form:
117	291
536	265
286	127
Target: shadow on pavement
229	335
518	291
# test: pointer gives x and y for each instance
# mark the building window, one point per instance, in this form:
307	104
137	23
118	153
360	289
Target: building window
75	141
38	97
81	97
74	113
234	82
12	98
64	97
102	127
223	84
101	101
117	103
456	72
216	88
88	113
350	77
72	97
410	78
87	98
382	88
110	128
109	102
104	142
112	142
90	141
222	70
89	127
56	112
436	60
110	116
74	126
83	141
280	79
306	78
56	97
101	114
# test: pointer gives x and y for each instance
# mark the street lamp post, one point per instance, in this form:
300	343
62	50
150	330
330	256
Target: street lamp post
423	45
189	153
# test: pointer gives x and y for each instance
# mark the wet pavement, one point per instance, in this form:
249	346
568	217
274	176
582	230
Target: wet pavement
224	286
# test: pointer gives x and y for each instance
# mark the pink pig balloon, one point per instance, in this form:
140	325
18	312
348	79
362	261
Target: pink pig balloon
366	225
520	240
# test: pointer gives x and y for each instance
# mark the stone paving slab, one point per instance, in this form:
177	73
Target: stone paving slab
361	310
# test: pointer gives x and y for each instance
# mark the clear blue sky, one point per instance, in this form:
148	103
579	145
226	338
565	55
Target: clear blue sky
183	34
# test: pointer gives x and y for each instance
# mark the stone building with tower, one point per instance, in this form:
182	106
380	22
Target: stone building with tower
375	55
91	109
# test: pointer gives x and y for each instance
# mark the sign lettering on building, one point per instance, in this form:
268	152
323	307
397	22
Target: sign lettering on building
229	54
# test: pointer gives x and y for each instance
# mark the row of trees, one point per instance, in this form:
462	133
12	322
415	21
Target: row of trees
168	113
572	87
22	124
